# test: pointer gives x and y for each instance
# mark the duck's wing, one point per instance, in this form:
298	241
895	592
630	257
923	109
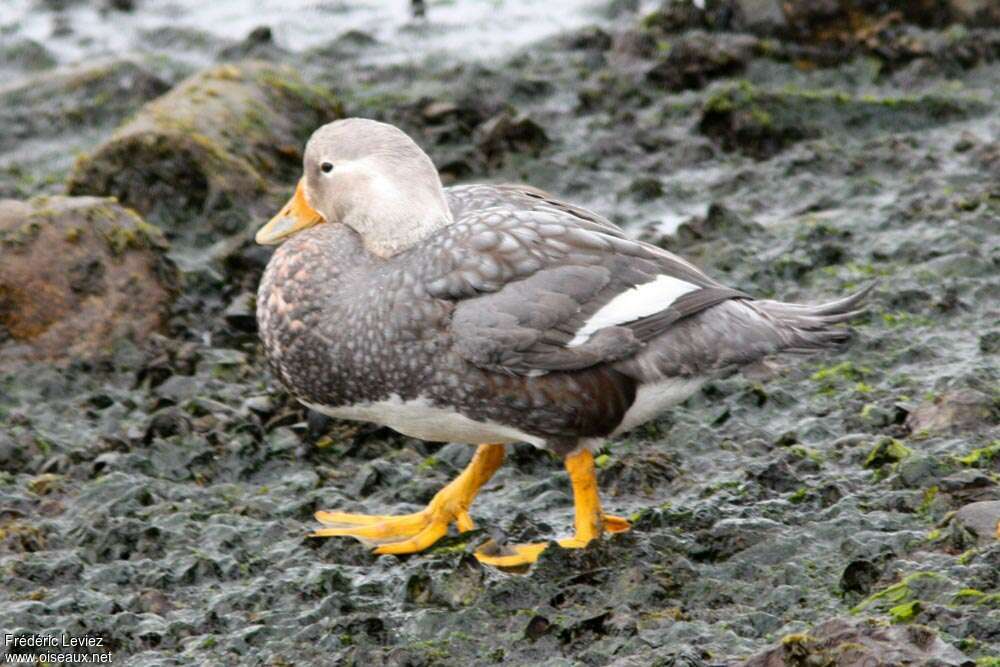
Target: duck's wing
468	200
545	290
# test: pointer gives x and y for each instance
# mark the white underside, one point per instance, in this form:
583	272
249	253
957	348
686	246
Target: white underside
419	419
634	304
652	399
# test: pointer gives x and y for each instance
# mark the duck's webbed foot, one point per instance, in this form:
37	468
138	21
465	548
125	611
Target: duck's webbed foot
590	521
410	533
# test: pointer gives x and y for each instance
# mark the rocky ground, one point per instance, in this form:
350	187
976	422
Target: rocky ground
157	487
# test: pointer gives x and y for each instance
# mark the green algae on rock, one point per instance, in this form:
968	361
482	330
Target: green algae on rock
216	140
76	275
761	122
82	96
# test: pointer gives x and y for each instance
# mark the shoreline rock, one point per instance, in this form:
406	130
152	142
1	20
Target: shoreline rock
216	141
78	274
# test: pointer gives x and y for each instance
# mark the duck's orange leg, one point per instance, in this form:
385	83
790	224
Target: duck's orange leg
590	522
410	533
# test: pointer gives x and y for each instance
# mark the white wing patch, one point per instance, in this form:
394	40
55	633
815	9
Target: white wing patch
633	304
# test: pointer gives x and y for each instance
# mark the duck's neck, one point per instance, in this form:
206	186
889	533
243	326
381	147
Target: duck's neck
398	220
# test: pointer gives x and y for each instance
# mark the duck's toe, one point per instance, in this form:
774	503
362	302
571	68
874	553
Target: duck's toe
616	524
510	555
373	529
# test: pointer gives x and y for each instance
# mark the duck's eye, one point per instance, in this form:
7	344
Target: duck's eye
327	167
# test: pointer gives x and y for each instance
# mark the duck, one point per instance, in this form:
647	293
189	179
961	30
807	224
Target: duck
492	315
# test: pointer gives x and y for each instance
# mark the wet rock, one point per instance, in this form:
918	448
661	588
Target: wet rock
675	16
696	58
888	451
989	342
643	472
731	536
858	642
165	423
982	519
860	576
975	12
259	44
634	44
215	141
21	537
350	44
778	476
760	17
241	313
510	132
863	22
73	98
644	189
762	123
590	38
955	411
437	111
79	274
25	55
719	222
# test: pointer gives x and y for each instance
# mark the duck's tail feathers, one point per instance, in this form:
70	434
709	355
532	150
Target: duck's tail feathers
809	328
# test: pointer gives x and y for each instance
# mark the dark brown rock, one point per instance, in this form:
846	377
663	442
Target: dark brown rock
76	275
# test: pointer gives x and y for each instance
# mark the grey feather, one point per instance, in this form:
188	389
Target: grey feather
529	272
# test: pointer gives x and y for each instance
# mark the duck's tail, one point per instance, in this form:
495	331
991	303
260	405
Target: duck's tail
809	328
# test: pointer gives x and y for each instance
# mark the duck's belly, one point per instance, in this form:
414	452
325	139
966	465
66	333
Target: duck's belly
653	399
419	418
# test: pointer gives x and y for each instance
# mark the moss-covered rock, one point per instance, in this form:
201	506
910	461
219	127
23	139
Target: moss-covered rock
77	97
78	274
214	141
742	117
25	55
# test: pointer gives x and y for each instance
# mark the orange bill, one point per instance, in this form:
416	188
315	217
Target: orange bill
294	216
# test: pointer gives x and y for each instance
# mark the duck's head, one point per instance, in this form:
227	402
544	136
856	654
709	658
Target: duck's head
371	177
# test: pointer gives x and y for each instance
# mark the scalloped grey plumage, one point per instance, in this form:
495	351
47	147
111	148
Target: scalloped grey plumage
475	323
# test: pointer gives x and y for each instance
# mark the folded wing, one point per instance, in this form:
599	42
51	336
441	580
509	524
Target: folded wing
538	287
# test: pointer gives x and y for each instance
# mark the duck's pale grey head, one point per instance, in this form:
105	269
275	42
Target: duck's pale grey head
371	177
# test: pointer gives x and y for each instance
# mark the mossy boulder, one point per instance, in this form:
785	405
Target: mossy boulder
25	55
214	142
78	274
73	98
761	123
